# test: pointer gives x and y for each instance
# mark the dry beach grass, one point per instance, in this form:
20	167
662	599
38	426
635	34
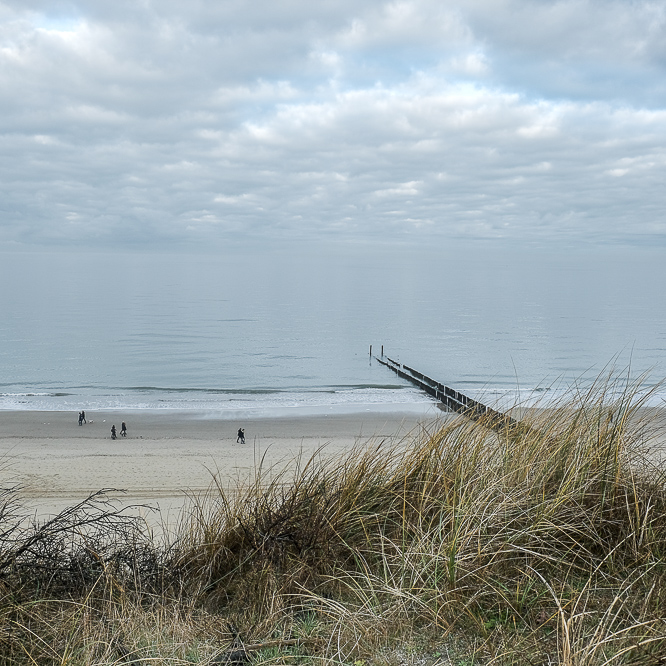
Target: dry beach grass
543	543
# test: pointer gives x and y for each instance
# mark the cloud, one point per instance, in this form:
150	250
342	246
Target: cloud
578	49
158	123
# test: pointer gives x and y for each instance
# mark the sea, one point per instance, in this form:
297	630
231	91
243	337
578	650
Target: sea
270	329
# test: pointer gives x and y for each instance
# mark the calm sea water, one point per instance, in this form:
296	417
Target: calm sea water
285	330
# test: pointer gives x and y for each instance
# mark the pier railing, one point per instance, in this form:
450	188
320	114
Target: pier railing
453	400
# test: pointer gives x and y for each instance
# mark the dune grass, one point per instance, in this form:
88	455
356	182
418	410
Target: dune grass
543	543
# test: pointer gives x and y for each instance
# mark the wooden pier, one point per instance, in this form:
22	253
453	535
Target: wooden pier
452	400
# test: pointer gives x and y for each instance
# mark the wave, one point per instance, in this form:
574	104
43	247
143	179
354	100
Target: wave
261	390
34	394
269	400
221	401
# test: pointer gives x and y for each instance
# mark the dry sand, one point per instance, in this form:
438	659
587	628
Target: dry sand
168	457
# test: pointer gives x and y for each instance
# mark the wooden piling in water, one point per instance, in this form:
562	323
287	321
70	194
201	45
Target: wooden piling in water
450	398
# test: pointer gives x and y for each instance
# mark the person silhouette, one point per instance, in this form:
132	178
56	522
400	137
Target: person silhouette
241	436
113	431
123	430
80	418
83	416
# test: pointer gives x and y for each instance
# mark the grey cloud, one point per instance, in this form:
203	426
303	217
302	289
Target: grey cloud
579	49
171	122
438	164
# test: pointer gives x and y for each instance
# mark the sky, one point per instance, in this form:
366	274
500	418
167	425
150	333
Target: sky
164	123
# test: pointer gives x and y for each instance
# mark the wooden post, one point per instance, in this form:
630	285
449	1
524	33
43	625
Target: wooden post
382	351
454	400
370	350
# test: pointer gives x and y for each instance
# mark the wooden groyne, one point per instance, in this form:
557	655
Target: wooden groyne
452	400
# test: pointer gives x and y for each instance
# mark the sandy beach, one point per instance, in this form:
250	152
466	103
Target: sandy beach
168	457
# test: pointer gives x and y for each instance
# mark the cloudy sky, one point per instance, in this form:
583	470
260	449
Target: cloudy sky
165	122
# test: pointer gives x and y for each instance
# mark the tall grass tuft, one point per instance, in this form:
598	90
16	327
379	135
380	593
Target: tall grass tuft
539	543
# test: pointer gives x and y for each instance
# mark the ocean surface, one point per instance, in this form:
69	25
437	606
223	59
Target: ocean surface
287	330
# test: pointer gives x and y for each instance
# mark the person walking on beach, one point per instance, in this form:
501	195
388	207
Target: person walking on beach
123	429
83	416
113	431
241	436
80	418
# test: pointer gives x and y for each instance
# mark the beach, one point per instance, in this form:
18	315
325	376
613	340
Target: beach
169	457
349	539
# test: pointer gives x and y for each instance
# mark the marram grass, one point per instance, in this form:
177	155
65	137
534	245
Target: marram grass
542	543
